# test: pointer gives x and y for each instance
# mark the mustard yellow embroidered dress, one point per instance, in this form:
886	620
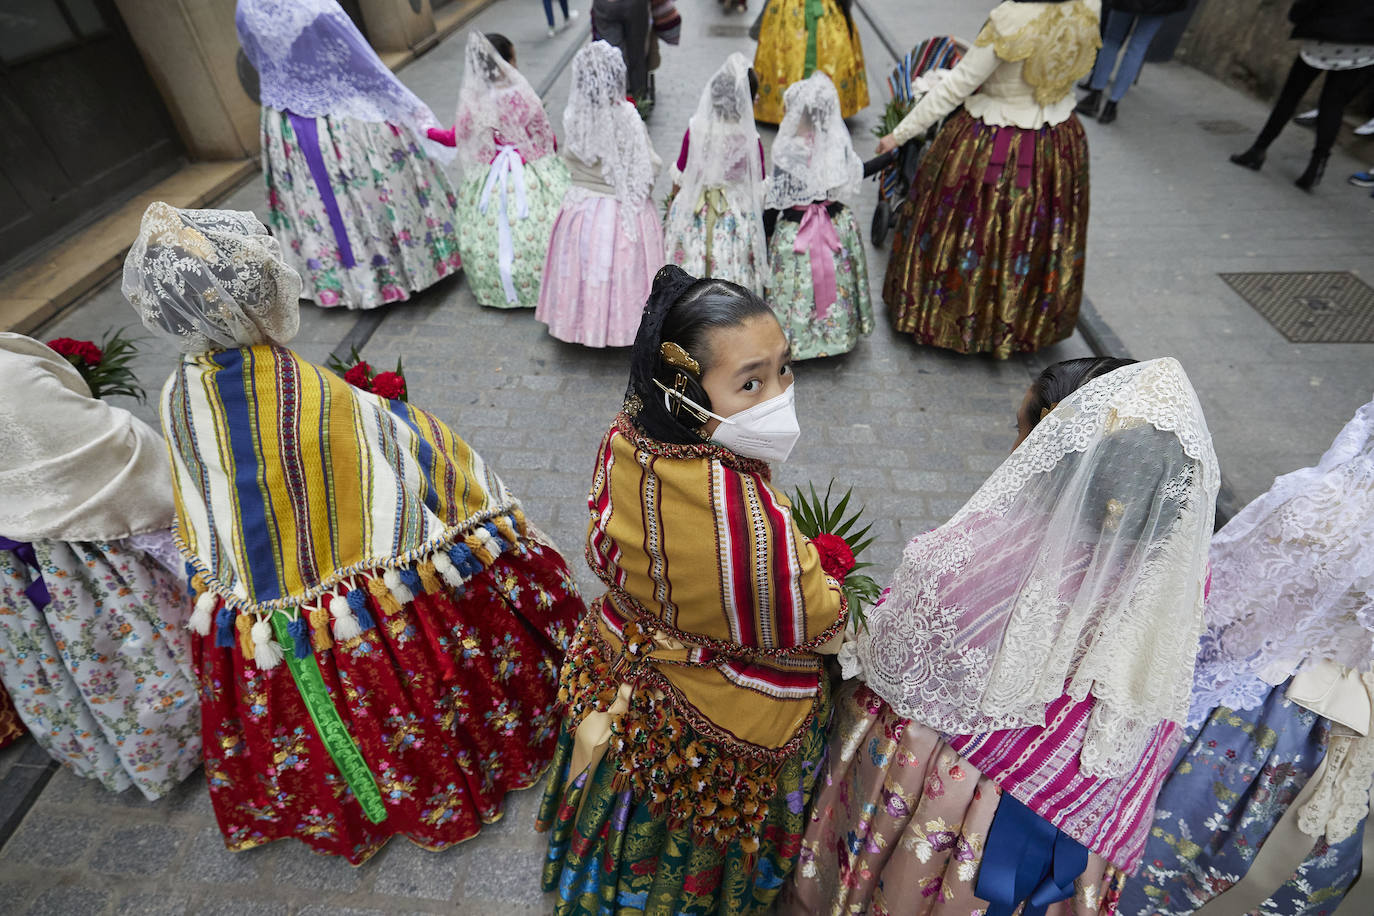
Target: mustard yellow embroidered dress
799	37
695	675
989	250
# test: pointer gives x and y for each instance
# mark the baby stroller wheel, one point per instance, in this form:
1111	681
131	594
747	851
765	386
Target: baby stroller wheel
882	222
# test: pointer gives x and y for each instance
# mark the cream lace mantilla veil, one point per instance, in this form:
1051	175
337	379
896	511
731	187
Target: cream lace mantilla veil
1077	567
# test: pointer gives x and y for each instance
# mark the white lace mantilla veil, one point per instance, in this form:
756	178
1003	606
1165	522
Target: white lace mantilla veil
813	155
312	61
1077	568
211	280
601	127
723	152
1293	578
496	99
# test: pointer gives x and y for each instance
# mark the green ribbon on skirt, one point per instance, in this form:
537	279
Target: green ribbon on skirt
814	11
330	727
714	199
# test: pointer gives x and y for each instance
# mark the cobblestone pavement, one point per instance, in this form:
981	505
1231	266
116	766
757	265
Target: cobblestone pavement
913	430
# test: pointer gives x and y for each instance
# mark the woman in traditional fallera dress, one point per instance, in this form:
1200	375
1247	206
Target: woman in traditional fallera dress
356	194
376	632
1027	673
800	37
607	242
1266	808
92	593
714	226
818	271
696	700
989	249
513	183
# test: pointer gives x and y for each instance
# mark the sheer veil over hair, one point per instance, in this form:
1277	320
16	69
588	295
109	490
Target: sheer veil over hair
813	155
1078	568
211	279
1293	578
601	126
497	105
312	61
724	150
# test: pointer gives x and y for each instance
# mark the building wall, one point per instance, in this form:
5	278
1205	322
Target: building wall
1241	42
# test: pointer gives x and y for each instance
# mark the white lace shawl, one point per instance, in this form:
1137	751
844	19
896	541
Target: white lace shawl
813	156
73	467
497	105
724	153
211	279
601	128
1077	567
1293	578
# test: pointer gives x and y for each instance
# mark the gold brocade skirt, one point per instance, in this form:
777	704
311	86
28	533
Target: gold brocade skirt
989	249
781	57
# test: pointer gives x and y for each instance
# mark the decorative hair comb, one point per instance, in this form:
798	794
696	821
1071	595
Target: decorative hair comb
678	358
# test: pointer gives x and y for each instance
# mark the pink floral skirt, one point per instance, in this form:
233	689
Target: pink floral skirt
898	825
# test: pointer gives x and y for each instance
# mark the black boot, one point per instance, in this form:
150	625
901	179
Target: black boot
1088	107
1252	158
1108	114
1316	167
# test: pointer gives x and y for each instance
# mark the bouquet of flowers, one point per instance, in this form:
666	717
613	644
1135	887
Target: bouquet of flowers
839	543
105	368
359	374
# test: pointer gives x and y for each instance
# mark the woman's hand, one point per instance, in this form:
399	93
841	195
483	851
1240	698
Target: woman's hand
887	144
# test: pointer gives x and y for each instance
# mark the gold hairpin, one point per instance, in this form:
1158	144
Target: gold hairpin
677	357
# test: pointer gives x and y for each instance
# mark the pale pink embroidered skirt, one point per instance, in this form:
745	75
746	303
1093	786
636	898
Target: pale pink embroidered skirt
597	277
898	825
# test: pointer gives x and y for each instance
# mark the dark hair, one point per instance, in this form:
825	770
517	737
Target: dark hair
685	311
1062	379
503	46
753	83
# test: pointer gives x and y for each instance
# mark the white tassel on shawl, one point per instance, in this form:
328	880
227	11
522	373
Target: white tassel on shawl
444	566
203	616
398	589
267	652
346	625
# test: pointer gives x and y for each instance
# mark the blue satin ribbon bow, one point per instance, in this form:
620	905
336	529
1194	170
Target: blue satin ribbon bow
1026	858
37	591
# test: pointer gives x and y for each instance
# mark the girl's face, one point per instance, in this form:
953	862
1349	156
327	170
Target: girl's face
1024	422
750	363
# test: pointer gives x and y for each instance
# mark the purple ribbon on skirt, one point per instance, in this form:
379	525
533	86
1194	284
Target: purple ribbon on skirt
308	142
1001	148
37	591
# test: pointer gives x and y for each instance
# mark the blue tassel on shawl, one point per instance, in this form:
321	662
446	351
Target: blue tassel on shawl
357	602
412	581
300	637
462	558
501	545
224	628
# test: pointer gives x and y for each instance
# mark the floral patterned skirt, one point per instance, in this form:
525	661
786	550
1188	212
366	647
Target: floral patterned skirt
597	278
981	264
395	206
101	674
1231	785
780	59
793	298
732	253
609	854
451	701
898	824
479	234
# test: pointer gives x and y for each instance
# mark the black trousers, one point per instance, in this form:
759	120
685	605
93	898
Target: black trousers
625	24
1340	87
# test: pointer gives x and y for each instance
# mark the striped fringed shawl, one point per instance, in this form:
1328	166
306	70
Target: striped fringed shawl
290	483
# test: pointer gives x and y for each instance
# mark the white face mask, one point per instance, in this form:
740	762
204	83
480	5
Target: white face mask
767	431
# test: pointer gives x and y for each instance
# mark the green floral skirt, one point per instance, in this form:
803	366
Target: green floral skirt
616	857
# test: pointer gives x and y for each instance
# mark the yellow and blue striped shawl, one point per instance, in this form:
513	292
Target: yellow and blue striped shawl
289	481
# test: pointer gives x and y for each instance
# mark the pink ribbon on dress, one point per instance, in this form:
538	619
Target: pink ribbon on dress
817	236
1001	148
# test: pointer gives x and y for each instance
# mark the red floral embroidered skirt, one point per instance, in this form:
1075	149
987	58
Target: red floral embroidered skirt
989	250
452	702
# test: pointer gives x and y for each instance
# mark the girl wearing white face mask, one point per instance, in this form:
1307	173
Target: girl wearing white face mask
696	699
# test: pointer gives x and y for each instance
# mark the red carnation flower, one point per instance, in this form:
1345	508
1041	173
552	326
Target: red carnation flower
90	353
836	557
358	376
389	385
78	351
